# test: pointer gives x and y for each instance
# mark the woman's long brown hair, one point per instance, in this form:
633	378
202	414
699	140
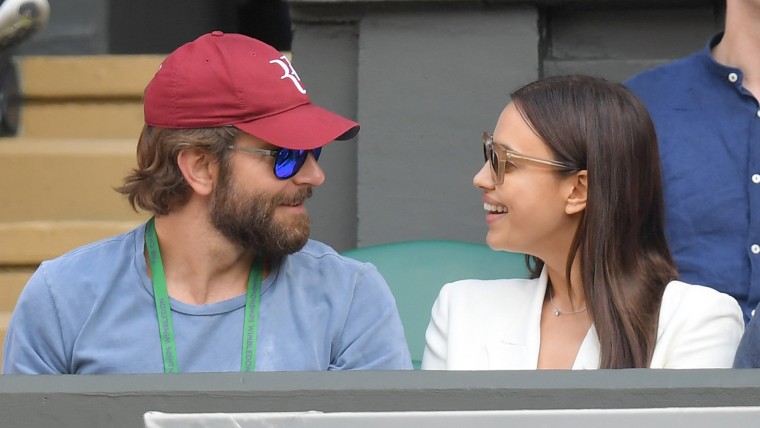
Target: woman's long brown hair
620	242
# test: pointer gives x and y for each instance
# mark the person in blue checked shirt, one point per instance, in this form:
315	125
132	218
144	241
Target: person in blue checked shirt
223	277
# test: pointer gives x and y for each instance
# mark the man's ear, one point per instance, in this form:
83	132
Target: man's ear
576	201
199	168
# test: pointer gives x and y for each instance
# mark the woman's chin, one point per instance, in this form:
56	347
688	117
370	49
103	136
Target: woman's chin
495	244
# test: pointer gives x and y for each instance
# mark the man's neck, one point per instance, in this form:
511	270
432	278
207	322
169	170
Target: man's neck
201	265
741	43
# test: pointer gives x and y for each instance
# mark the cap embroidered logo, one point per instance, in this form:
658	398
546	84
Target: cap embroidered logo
289	72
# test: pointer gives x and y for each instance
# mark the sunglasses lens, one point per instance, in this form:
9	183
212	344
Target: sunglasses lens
290	161
491	156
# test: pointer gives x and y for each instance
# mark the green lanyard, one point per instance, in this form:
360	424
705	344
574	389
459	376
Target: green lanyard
165	325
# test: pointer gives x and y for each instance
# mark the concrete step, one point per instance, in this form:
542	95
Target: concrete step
12	281
64	179
29	243
59	195
96	96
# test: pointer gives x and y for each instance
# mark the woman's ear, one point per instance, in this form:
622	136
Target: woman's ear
576	201
199	168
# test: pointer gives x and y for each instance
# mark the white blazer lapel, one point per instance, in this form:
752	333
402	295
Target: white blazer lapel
517	348
588	353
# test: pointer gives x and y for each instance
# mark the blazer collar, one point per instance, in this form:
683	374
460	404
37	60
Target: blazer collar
517	347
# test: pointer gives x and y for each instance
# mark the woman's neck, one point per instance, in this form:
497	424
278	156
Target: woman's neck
566	295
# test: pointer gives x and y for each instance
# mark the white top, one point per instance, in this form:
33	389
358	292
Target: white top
495	325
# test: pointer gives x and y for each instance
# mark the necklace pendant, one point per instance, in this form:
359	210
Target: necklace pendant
556	312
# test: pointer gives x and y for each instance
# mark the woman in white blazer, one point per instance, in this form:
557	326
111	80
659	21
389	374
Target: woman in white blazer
572	179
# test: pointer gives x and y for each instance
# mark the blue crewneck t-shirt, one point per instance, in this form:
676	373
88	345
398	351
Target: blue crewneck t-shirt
708	126
92	311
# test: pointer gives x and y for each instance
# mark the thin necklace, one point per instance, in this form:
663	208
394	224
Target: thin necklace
557	312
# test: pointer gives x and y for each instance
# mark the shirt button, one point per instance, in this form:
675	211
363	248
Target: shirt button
756	178
755	248
732	77
758	113
752	314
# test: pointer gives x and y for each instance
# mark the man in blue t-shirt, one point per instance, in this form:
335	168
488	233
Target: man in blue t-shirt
705	109
224	276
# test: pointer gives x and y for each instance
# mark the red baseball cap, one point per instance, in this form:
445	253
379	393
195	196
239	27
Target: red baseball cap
229	79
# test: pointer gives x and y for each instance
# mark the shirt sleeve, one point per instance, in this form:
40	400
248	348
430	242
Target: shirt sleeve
34	341
372	337
702	329
436	336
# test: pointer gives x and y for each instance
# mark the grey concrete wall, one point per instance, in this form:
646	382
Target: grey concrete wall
332	62
119	401
616	44
75	27
160	26
430	82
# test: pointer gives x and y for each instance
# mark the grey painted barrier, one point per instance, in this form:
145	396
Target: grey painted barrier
673	417
122	400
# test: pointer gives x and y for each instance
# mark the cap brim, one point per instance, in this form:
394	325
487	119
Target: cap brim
305	127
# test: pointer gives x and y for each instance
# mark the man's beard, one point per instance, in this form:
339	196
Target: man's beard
250	223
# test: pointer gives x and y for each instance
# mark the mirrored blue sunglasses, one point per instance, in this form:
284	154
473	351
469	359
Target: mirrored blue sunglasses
287	162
